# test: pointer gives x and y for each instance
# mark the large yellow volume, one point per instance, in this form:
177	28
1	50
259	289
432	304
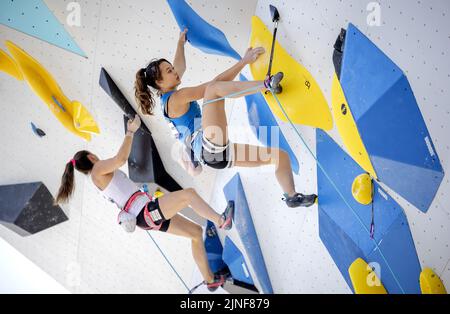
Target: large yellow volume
9	66
364	279
347	128
302	97
430	283
73	115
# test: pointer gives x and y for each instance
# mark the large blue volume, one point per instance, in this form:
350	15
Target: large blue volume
389	121
214	248
201	34
345	225
243	222
233	257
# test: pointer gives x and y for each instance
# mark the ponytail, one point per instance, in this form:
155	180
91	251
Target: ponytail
80	163
144	96
67	185
146	78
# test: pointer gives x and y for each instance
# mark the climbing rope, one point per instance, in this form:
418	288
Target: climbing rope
168	262
234	95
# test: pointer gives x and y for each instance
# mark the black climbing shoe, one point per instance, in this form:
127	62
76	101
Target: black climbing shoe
227	217
274	83
300	200
219	281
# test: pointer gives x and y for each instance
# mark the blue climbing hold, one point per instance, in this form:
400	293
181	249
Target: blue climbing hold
201	34
58	104
37	131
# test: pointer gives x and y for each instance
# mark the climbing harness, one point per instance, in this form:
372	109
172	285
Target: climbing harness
150	216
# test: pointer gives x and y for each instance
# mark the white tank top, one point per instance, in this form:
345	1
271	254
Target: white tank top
120	190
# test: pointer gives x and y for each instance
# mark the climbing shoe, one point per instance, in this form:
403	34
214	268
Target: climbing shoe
300	200
227	217
274	81
219	281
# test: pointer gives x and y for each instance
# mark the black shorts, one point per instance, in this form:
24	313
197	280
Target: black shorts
217	157
141	223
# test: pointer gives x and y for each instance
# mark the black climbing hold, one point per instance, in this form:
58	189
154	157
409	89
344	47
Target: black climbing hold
338	53
28	208
344	109
274	14
145	164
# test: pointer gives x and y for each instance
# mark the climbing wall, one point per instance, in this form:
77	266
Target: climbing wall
415	36
90	254
309	31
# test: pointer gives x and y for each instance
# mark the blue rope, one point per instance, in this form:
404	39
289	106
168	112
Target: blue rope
233	95
336	188
168	262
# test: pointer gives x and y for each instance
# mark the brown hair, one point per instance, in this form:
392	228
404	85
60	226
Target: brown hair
145	78
83	165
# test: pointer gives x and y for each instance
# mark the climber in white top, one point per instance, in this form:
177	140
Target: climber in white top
139	209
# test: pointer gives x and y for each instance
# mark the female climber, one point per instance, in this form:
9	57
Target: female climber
205	133
139	209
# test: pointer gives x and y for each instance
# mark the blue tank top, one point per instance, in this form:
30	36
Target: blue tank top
187	124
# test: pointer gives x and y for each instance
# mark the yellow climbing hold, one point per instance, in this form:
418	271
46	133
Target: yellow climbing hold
158	194
302	97
9	66
347	128
72	115
82	119
362	189
364	279
430	283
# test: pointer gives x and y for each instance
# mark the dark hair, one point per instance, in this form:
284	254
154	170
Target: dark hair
83	165
145	78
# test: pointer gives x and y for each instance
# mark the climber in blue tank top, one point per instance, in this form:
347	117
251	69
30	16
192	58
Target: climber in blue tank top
205	133
184	129
187	124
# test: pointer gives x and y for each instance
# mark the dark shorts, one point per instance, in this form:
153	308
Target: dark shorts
217	157
152	206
